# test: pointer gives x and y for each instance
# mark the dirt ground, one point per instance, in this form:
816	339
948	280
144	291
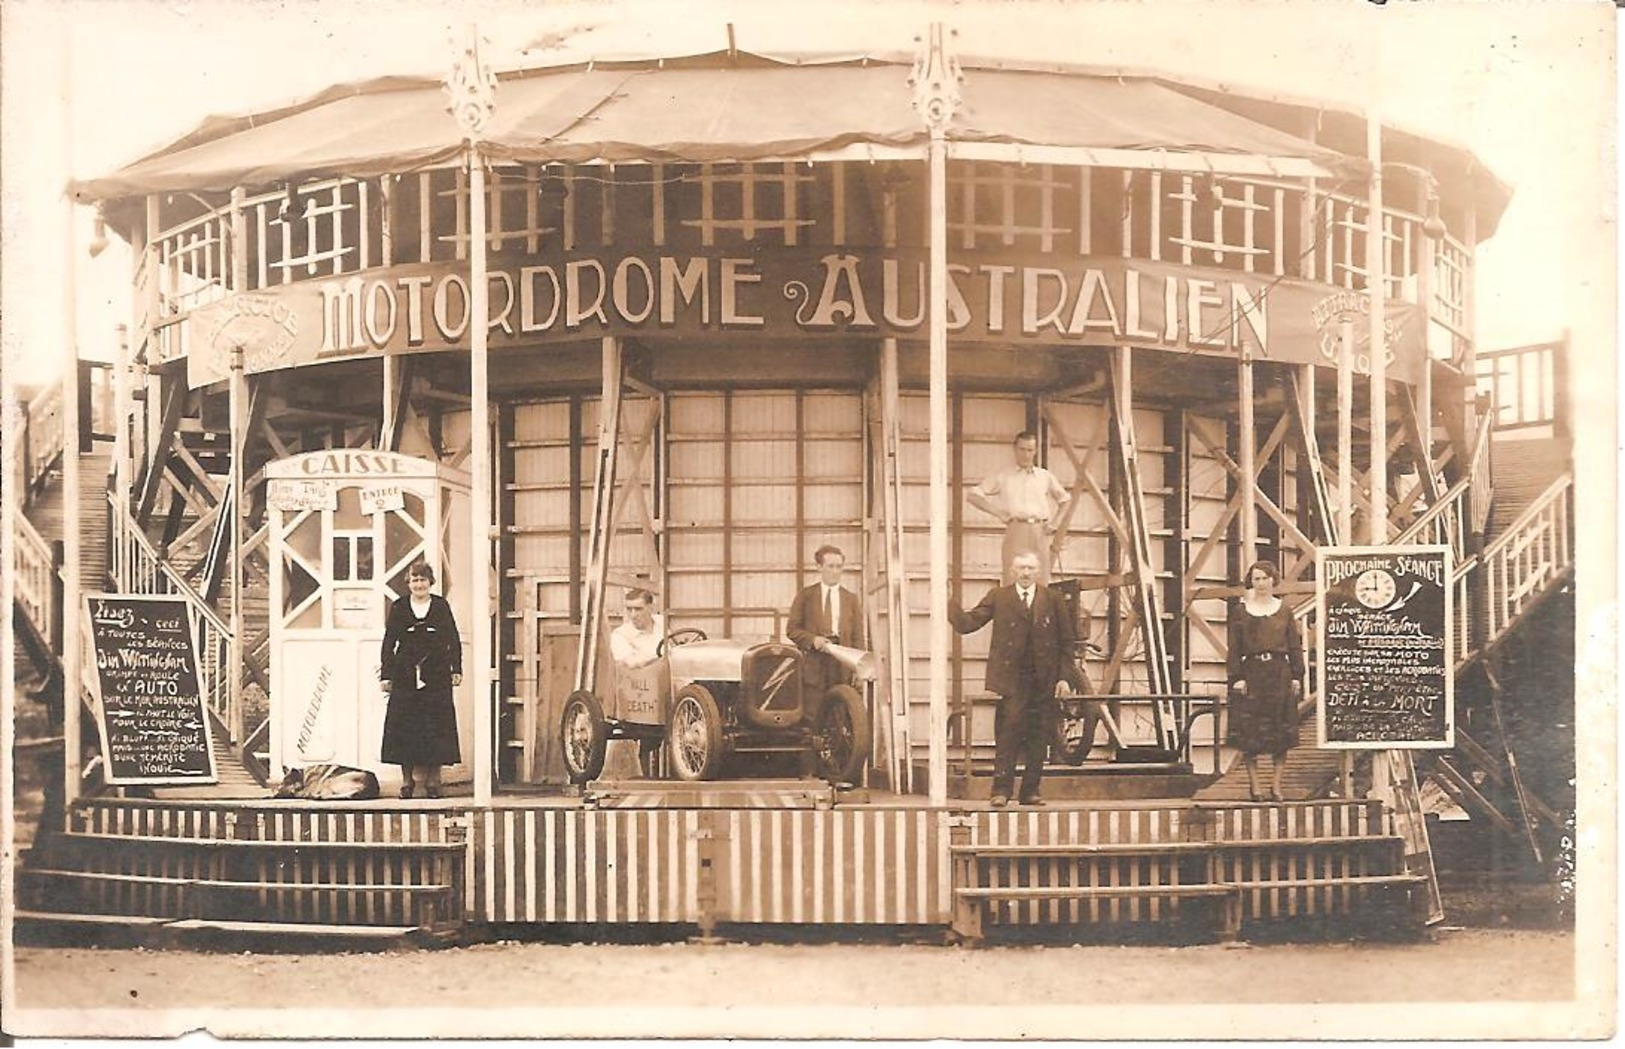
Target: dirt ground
752	989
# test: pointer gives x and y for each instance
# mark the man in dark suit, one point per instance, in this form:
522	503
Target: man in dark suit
1032	649
823	614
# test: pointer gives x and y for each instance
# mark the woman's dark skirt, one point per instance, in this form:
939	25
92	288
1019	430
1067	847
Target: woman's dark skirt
1265	719
420	728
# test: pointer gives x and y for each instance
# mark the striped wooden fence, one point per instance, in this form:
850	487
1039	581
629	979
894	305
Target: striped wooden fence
268	821
190	862
819	866
876	865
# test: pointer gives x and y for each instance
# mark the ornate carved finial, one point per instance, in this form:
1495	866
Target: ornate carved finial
936	79
471	86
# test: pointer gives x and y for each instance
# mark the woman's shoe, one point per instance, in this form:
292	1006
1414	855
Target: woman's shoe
1255	796
433	790
406	791
1275	795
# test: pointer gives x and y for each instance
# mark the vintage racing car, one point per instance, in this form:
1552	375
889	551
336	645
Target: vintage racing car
706	700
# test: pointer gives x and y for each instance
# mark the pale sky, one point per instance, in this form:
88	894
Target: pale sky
1527	86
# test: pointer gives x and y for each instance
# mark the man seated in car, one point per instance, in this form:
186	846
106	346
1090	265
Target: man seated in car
635	643
824	614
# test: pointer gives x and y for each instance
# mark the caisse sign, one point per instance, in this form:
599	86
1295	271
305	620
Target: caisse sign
1386	647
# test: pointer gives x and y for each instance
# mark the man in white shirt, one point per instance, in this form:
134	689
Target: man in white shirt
1030	502
635	641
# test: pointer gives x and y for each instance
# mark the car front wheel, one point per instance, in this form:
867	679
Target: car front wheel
584	736
695	736
840	739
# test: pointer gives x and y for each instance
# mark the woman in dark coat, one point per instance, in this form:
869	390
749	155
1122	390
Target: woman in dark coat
1266	676
421	662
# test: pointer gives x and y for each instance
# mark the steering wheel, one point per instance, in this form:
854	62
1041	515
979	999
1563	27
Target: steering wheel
677	638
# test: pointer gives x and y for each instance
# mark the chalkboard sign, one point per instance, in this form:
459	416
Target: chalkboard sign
1386	647
149	690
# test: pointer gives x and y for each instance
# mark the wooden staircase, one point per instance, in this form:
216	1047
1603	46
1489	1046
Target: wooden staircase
1526	559
1310	772
1207	870
45	512
162	872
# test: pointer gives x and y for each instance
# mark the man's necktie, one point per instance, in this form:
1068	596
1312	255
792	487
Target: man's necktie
829	611
1027	599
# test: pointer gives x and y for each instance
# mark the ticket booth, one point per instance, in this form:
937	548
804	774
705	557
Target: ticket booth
345	524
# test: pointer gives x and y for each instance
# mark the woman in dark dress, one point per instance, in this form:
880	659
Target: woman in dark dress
421	662
1266	676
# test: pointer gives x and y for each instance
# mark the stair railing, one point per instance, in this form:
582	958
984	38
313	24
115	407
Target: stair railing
1449	521
1479	472
40	442
34	580
136	568
1534	551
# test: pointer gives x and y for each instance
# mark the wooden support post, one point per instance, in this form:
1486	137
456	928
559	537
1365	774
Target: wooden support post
123	417
967	910
938	429
480	494
73	542
1425	250
388	419
1377	345
902	768
1524	811
598	541
233	505
1177	435
936	82
472	86
1345	431
1148	606
1249	472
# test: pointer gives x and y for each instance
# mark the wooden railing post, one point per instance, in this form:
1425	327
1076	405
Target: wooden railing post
55	626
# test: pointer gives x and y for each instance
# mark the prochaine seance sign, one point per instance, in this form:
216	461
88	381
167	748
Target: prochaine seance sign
1386	644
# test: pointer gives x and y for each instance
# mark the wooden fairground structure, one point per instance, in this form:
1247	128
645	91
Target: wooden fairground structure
662	324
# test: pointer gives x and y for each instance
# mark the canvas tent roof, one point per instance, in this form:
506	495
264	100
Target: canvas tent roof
704	108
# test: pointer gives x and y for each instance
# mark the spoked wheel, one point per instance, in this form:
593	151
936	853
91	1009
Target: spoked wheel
840	739
1067	745
584	736
695	736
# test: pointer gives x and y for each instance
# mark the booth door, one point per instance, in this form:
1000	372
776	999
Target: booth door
340	569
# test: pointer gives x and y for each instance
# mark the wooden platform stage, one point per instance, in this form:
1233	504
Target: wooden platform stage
788	852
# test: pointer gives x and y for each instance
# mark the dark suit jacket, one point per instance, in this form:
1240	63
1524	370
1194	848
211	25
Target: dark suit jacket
1049	627
807	622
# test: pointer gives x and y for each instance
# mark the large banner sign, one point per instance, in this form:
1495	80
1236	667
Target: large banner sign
798	294
1385	642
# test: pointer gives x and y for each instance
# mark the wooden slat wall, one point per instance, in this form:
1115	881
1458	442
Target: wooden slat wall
180	820
585	865
861	866
877	866
867	866
392	884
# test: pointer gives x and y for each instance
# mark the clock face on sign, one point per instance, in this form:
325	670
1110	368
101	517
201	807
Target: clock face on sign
1375	588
